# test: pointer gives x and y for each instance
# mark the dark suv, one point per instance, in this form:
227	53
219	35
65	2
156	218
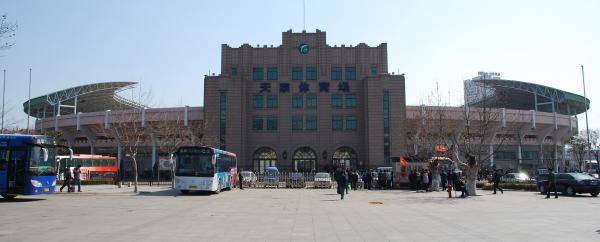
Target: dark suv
571	183
296	180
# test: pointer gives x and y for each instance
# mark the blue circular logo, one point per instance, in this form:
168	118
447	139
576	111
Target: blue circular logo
303	48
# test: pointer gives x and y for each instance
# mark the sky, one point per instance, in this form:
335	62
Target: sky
168	46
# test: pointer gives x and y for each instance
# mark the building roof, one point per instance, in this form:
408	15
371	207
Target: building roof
512	94
87	98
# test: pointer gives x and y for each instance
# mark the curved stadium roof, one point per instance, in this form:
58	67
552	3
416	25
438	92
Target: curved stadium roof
94	97
523	95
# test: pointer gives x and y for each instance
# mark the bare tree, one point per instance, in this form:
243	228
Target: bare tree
126	128
595	147
7	32
169	136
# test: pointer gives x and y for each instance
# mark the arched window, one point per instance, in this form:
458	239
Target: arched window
264	157
345	158
304	160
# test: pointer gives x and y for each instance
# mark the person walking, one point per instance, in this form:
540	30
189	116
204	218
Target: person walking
68	177
341	183
496	180
77	177
368	180
241	179
460	185
424	181
444	179
551	184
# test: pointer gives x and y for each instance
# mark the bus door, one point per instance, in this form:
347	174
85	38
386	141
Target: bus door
16	172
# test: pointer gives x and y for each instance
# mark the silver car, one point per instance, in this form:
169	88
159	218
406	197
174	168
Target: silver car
322	180
249	179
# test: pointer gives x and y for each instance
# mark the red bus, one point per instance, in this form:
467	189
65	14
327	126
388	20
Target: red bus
93	167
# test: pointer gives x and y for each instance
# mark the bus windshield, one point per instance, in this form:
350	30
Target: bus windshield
194	164
40	167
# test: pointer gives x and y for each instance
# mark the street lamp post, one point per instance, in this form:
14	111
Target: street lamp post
587	127
29	102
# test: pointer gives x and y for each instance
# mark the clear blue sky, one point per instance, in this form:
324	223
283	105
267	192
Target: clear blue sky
170	45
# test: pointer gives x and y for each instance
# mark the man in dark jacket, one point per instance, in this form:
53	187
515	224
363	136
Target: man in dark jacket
368	180
77	177
342	182
68	178
551	184
496	180
241	179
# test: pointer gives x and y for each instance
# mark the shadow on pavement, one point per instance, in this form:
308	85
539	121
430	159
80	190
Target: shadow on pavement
330	194
330	200
20	200
162	193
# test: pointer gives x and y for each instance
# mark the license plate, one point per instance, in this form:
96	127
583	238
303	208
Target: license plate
193	186
46	189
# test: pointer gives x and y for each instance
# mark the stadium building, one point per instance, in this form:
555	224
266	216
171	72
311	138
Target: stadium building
305	105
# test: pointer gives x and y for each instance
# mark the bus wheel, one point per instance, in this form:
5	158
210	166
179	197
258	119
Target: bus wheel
218	188
185	191
6	196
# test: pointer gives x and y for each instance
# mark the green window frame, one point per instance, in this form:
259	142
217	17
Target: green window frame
297	101
350	101
311	101
297	73
272	123
337	123
350	73
311	73
351	123
297	123
272	101
336	73
311	122
258	73
272	73
234	71
336	101
257	101
257	123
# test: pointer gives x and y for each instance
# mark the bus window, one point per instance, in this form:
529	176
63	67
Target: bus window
3	162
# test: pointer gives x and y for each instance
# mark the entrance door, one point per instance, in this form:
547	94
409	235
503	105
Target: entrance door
344	158
16	172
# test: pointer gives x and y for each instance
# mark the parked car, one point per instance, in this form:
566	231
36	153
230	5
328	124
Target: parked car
322	180
271	177
515	177
296	180
249	179
572	183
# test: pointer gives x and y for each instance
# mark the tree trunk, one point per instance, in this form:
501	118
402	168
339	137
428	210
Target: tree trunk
135	174
471	180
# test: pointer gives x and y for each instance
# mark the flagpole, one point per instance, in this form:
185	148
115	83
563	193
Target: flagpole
29	102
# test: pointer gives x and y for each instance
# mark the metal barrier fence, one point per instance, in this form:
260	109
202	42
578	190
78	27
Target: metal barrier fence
291	180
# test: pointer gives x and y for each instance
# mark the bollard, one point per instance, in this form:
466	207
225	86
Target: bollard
128	184
449	191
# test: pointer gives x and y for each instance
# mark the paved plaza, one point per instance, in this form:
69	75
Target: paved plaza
107	213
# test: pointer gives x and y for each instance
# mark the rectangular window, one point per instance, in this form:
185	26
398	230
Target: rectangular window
222	119
297	123
234	71
297	73
373	71
311	122
351	123
336	101
257	123
311	73
258	73
337	123
257	101
272	73
336	73
350	73
272	101
297	101
272	123
311	101
350	101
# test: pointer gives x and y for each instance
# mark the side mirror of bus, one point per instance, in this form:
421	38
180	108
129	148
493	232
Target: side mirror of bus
45	154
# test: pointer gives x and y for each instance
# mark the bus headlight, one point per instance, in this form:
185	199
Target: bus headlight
36	183
54	183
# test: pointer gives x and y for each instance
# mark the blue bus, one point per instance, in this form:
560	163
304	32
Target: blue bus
27	165
199	168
